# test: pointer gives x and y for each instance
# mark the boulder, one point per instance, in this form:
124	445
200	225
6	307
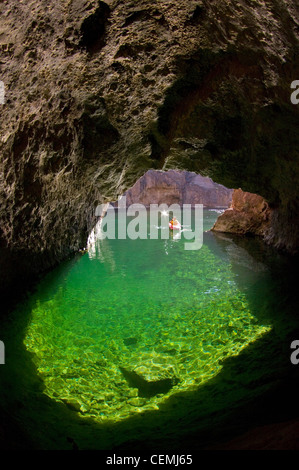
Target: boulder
148	382
249	214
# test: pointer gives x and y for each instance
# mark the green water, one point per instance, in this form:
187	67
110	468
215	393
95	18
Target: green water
137	339
143	306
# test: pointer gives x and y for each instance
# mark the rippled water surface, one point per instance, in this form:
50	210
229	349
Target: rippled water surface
131	324
145	307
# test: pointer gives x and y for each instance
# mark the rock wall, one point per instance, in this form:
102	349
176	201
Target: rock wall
248	214
178	187
97	93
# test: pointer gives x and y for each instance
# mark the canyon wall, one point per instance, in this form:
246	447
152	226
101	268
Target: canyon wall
249	214
97	93
178	187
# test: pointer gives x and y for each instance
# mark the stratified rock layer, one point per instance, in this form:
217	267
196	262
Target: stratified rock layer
178	187
99	92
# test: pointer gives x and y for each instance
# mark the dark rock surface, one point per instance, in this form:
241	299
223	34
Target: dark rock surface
178	187
99	92
148	388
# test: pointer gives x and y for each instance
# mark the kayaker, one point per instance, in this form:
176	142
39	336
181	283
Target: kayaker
174	221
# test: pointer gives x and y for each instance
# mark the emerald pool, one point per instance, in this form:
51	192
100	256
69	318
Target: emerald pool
133	328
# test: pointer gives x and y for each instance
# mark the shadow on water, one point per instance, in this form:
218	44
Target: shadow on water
254	388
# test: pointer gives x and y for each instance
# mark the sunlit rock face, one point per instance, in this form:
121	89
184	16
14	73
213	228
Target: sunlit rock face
178	187
248	214
97	93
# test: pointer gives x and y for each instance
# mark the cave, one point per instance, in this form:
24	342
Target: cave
97	94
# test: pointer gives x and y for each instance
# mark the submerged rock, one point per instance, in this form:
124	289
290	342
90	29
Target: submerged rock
72	403
132	341
138	401
148	385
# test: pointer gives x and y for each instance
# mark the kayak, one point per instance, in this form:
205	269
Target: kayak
174	227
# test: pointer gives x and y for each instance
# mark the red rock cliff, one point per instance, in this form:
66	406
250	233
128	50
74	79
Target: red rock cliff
178	187
248	214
